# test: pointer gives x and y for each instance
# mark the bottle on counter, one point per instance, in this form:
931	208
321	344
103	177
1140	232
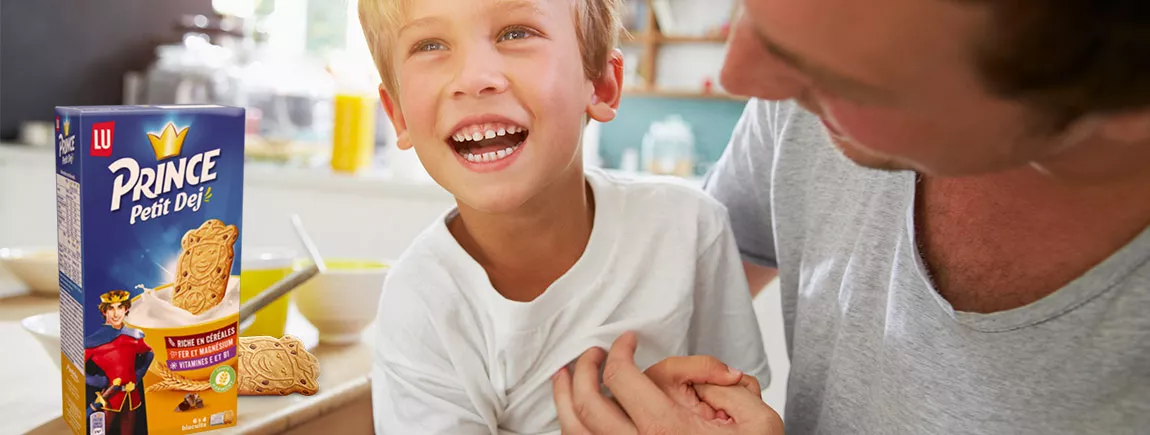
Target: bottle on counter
354	128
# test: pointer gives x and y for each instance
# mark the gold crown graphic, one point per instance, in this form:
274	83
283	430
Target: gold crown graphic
114	297
67	126
169	142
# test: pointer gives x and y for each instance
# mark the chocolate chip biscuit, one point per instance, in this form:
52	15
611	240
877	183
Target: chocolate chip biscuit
204	266
272	366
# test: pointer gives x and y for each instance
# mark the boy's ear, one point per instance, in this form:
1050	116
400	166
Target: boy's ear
402	141
608	89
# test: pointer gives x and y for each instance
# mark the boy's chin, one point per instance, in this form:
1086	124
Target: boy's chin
494	199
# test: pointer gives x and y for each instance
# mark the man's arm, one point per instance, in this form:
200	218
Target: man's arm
758	276
741	181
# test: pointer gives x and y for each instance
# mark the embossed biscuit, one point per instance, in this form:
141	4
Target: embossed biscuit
276	367
204	265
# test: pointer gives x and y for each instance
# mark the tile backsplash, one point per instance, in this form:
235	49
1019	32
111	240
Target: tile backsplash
711	120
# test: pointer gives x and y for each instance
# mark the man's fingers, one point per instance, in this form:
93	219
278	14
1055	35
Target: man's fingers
597	413
746	409
752	384
700	369
640	397
569	423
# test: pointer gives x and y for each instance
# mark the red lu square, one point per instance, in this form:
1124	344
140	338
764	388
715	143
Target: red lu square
102	136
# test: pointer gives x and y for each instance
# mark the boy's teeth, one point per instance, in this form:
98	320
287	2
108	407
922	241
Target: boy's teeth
490	156
477	133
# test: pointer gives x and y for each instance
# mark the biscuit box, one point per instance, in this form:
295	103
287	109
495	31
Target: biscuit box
149	210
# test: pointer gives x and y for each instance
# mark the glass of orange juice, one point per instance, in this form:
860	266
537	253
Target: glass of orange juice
353	136
260	268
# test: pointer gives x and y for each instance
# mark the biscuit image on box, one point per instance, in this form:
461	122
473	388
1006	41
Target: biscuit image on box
276	367
204	266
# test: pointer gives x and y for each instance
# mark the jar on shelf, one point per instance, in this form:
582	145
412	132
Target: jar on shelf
669	148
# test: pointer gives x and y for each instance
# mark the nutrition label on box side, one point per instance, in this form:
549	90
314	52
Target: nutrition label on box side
71	332
68	227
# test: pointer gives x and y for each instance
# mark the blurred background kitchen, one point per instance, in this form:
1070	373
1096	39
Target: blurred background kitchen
318	143
303	71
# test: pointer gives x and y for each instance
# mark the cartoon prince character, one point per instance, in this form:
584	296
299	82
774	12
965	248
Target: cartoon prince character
116	359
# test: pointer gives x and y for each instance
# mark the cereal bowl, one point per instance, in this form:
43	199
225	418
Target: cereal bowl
35	267
343	300
46	328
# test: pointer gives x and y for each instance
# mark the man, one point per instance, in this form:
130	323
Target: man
959	221
116	359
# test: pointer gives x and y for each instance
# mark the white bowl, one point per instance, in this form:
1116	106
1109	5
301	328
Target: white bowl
343	300
35	267
46	328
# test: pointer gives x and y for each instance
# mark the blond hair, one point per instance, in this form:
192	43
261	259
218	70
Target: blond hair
597	27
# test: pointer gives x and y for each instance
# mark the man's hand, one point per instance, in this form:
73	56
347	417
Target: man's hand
677	376
663	401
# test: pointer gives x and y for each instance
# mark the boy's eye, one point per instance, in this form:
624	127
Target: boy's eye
427	46
515	33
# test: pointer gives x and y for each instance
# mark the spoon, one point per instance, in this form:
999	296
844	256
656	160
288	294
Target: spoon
287	284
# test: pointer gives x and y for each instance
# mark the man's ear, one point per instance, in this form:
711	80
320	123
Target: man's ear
1130	127
391	106
608	89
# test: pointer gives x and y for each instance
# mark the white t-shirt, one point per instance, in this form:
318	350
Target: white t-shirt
454	356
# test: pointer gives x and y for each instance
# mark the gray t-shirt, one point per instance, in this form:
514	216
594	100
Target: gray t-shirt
876	350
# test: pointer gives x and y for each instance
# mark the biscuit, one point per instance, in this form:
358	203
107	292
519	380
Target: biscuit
204	266
276	367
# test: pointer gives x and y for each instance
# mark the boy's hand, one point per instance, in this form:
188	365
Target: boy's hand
661	401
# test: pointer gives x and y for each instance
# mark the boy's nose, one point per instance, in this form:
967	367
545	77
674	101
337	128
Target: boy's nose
480	74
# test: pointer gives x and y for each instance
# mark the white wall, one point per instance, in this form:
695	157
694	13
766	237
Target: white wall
769	310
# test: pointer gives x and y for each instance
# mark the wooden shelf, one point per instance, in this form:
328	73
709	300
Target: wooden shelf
650	40
660	93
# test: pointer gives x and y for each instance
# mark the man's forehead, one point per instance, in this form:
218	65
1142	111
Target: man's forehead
871	42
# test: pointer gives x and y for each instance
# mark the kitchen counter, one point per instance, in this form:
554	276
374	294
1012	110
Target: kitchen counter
32	382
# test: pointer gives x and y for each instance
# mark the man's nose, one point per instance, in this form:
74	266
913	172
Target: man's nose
480	73
750	70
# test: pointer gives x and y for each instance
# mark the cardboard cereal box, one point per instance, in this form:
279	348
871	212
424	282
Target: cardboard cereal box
149	206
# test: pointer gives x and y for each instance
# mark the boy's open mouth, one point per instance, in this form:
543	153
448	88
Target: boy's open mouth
487	142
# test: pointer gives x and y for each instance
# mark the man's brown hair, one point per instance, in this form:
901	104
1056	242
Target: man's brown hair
1069	58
